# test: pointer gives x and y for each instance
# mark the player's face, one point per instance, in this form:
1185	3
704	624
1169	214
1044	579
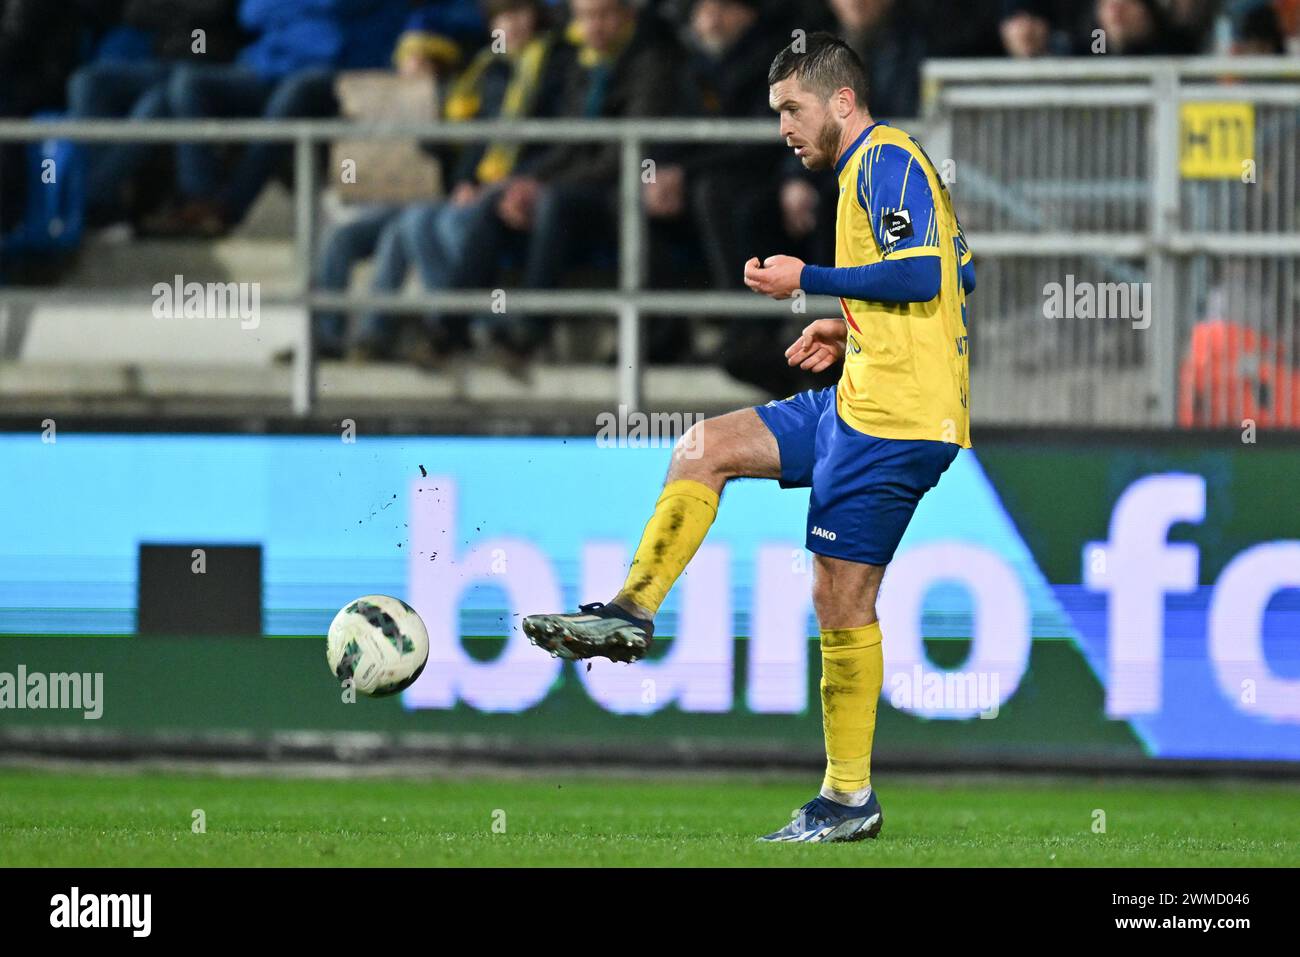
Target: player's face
807	124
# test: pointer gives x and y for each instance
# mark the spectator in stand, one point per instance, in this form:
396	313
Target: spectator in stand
892	41
566	202
731	48
438	35
41	44
129	80
1137	28
1288	15
731	44
1234	369
1028	31
960	28
1192	22
287	72
1256	29
518	75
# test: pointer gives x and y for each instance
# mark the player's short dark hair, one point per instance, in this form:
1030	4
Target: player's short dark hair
823	63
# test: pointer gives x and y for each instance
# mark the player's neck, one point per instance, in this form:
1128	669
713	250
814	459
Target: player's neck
852	130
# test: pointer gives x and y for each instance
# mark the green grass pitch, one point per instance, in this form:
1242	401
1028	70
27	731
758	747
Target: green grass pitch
52	818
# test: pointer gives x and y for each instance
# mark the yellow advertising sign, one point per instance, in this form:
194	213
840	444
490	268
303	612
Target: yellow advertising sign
1216	139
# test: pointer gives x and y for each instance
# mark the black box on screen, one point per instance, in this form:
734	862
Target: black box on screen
200	590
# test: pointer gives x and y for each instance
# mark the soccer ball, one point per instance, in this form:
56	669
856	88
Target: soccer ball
378	642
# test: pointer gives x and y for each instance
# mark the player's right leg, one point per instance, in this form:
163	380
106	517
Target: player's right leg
844	597
712	453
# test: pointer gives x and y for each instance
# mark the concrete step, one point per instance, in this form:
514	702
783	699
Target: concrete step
460	390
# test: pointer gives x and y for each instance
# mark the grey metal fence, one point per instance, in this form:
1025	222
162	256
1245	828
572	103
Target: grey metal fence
629	304
1084	176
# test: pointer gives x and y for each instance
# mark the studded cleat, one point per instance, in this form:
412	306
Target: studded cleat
597	631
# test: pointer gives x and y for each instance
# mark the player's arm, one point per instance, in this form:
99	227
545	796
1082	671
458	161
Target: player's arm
965	262
904	280
901	280
893	190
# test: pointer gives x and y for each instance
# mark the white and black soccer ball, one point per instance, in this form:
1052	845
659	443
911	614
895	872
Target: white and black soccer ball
378	642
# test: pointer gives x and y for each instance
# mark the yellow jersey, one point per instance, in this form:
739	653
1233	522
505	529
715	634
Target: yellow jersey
906	366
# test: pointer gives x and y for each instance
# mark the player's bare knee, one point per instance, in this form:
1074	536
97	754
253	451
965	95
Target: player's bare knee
829	595
823	597
844	593
690	447
701	454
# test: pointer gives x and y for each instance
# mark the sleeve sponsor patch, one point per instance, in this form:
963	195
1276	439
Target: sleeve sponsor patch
897	226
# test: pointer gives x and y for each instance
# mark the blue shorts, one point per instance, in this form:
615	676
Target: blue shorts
864	489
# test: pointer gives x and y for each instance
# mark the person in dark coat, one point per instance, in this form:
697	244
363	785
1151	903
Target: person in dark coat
623	65
129	77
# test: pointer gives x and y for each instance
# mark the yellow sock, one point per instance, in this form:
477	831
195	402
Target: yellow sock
853	669
682	517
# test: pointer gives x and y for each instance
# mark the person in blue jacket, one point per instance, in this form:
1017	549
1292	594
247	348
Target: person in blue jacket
288	71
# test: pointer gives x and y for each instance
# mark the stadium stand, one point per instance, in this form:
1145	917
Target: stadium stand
462	215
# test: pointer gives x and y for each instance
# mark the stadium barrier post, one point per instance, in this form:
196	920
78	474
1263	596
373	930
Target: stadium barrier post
304	354
1164	223
631	273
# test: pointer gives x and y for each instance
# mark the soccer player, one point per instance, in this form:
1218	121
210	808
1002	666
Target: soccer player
868	448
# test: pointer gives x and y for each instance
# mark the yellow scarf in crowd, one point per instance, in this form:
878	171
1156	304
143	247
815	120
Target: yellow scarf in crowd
464	101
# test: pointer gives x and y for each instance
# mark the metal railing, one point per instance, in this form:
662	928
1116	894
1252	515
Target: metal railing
629	304
1062	166
1072	167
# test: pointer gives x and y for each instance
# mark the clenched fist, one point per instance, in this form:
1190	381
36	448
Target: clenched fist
775	276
